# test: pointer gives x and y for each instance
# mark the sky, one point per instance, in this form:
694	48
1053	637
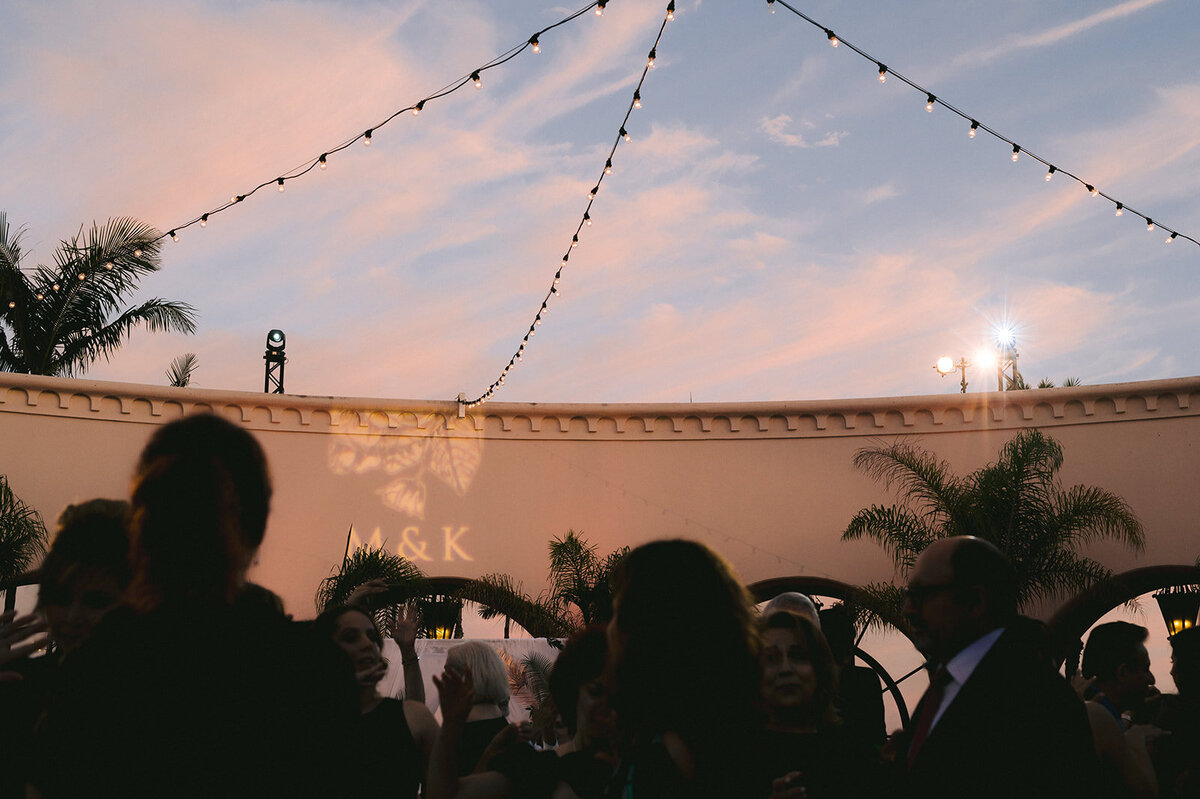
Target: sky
781	226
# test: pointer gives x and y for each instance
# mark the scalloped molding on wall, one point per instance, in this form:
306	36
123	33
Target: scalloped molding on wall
141	404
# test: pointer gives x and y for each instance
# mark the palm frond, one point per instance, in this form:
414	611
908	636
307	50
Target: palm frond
501	596
918	477
180	372
877	606
364	565
901	532
537	670
23	535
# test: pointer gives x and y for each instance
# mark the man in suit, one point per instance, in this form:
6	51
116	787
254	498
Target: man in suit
997	720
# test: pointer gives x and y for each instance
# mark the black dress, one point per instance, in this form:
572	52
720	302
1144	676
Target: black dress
384	737
834	763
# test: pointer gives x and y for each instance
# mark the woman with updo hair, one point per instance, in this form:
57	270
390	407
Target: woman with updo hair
187	691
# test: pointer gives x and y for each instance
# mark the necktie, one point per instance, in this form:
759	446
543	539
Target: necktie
927	709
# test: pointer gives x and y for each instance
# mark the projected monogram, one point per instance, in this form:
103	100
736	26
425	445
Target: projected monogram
406	453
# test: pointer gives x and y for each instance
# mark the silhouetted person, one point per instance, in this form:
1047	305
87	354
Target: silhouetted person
684	673
859	702
84	576
1177	756
1116	661
187	692
996	721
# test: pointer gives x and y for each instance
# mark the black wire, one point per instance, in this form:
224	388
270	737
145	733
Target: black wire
545	306
977	124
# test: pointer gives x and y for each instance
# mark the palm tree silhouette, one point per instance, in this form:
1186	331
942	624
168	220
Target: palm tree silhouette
58	320
1017	503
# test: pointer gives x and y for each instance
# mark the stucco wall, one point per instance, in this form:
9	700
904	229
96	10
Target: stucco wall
770	485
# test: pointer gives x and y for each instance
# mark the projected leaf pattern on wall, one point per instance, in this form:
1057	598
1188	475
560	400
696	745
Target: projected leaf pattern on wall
407	455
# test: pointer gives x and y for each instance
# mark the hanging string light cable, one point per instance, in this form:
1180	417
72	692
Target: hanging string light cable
585	221
933	100
321	161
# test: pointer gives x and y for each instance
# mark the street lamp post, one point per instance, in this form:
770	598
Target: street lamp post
945	365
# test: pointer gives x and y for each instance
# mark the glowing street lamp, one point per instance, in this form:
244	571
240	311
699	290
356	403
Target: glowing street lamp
945	365
1008	377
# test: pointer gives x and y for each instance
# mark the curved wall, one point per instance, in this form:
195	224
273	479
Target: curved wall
769	485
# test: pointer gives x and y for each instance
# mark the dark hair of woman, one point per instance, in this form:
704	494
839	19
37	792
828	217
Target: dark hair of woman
91	535
201	495
684	656
812	643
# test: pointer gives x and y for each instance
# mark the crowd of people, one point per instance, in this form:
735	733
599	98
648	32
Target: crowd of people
154	669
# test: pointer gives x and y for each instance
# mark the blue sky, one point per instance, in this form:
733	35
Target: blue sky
781	226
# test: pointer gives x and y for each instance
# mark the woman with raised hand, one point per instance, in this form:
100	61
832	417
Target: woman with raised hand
398	734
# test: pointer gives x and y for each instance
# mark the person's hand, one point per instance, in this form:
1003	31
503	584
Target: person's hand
1082	685
456	694
361	596
13	632
371	674
788	787
511	735
403	628
1139	735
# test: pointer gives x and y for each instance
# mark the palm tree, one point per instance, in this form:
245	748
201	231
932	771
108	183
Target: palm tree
1016	503
180	373
22	534
57	320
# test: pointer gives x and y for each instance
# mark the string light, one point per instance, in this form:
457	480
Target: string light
367	137
535	44
478	81
204	220
82	275
421	103
931	100
108	265
600	4
280	182
833	39
1149	224
137	252
554	290
322	162
174	236
1171	238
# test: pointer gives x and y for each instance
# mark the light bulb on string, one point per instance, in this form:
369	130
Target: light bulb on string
771	6
650	58
1171	238
1120	210
204	220
608	167
625	135
174	236
600	4
478	80
1092	190
1149	224
41	296
55	287
420	105
1016	153
321	161
593	192
12	304
367	137
137	253
882	73
974	129
1050	173
833	39
535	44
108	265
280	182
929	101
587	219
671	10
575	240
637	99
82	275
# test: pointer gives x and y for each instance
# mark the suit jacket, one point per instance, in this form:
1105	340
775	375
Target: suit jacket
1015	729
